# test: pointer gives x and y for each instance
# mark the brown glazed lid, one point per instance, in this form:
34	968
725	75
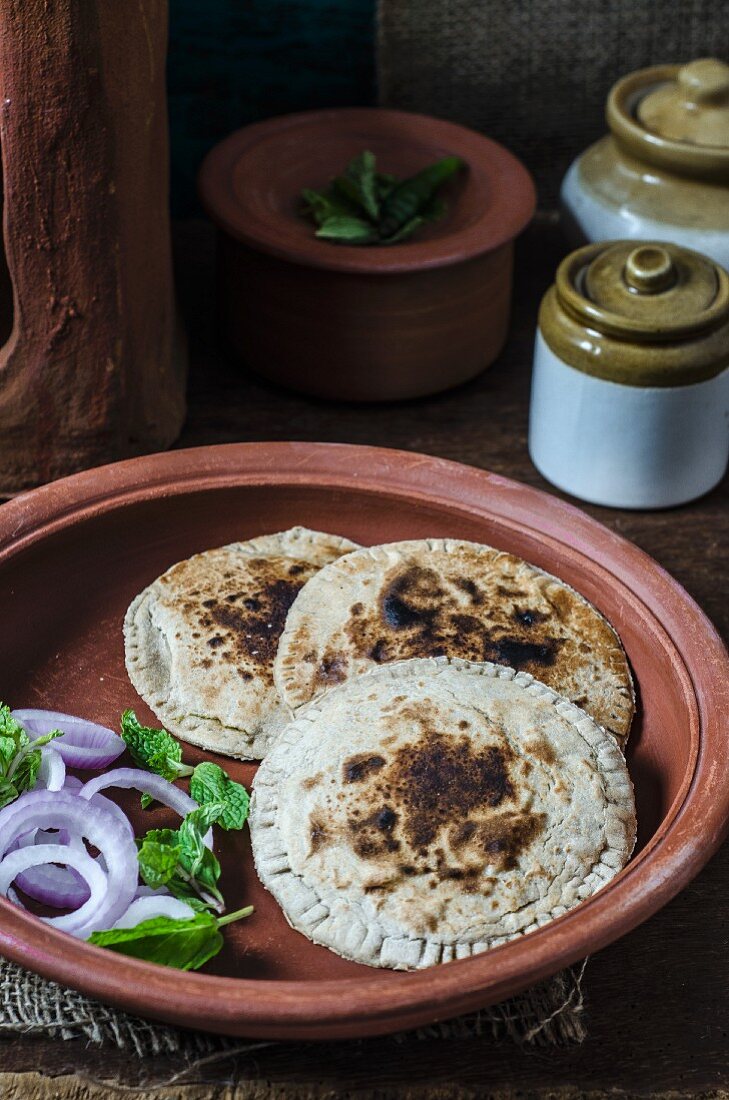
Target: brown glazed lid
641	313
675	117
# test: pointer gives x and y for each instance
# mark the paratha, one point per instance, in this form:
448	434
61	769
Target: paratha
433	597
201	639
431	809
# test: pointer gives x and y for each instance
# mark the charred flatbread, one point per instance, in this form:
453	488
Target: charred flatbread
201	639
442	597
432	809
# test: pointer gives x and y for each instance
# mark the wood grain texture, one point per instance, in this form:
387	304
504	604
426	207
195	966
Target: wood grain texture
657	1000
92	370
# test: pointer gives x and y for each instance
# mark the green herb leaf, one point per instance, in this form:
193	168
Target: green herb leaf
159	855
413	195
323	205
210	783
25	770
347	230
195	858
384	185
185	944
8	792
154	749
359	183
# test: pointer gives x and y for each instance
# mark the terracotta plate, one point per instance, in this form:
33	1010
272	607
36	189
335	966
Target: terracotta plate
74	553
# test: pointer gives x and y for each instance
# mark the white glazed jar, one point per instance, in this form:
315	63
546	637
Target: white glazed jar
663	171
630	390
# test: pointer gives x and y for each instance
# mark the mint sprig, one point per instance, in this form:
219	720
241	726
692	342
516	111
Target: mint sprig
179	860
159	752
186	944
20	757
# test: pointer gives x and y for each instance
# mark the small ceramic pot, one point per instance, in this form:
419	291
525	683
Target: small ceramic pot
663	172
630	390
370	323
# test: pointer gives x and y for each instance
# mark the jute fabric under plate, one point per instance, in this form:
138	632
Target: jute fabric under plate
534	74
549	1014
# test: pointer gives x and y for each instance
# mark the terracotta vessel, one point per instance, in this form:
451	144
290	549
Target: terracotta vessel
630	390
93	541
93	368
368	323
663	171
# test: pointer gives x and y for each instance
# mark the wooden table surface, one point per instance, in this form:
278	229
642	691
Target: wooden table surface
657	1001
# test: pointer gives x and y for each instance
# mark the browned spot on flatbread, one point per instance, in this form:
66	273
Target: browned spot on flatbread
360	767
438	779
423	613
507	835
311	781
332	669
318	834
372	836
541	750
250	621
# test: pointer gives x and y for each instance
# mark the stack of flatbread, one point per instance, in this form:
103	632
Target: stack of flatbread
441	726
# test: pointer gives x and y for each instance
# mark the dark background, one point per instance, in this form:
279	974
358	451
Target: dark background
232	62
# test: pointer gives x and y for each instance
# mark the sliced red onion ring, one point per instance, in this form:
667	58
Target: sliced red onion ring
62	887
148	907
40	809
17	862
147	783
52	771
83	745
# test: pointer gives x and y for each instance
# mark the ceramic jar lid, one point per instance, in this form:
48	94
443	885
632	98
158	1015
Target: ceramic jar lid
645	314
675	117
694	107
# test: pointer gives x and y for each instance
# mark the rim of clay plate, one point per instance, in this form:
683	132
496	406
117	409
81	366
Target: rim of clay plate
487	224
322	1009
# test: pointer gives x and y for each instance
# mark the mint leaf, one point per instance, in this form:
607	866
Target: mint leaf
159	855
348	230
210	783
24	771
8	792
359	183
185	944
179	859
322	205
195	858
20	758
8	749
154	749
9	727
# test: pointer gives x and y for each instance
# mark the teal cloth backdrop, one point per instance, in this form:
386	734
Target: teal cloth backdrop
235	61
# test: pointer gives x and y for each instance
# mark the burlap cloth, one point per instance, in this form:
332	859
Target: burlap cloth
549	1014
534	74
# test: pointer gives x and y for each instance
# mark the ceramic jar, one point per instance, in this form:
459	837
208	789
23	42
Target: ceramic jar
663	171
630	391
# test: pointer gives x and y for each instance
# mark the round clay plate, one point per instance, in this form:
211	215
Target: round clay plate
72	556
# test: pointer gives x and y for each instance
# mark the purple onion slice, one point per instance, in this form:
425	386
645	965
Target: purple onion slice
40	809
84	744
145	908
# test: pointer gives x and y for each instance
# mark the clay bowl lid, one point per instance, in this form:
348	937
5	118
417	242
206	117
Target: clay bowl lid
251	182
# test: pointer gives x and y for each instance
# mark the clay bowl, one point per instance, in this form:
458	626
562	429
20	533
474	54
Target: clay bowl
72	556
363	323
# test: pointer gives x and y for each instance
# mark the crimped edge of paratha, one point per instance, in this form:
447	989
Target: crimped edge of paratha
147	655
350	930
286	667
